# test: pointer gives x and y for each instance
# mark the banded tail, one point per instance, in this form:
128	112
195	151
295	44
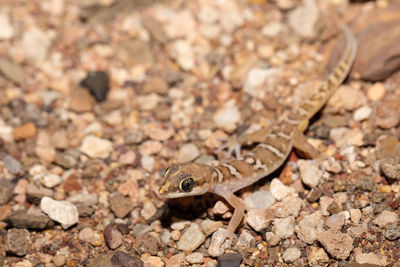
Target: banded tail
337	76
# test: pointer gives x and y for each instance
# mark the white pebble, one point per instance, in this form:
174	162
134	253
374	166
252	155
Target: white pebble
362	113
60	211
188	152
96	147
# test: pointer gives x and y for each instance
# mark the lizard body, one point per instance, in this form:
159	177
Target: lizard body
272	149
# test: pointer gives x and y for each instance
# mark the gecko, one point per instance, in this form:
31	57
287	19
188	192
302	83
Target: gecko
270	151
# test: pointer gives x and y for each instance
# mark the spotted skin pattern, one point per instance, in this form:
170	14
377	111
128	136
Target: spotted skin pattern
272	148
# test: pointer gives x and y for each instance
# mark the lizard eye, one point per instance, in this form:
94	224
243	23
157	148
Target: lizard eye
186	185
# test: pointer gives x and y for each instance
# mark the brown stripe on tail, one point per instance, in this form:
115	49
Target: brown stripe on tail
337	76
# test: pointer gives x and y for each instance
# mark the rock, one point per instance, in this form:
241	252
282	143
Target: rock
35	193
391	167
245	240
309	172
87	234
6	191
24	131
181	24
284	228
227	116
195	258
304	18
18	241
81	101
362	113
317	257
10	70
23	219
96	147
187	153
259	200
279	191
182	52
369	258
346	98
218	243
365	183
208	226
120	205
160	132
59	260
65	160
257	219
72	182
134	53
387	147
259	80
147	163
376	91
229	260
386	218
62	212
272	29
12	165
392	232
387	113
191	239
291	254
337	244
345	137
355	215
35	35
287	207
48	180
146	243
152	261
335	221
310	227
381	57
122	259
176	260
149	210
104	260
156	29
6	28
112	236
97	82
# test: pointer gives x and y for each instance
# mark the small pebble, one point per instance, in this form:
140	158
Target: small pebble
87	234
317	257
279	191
310	227
309	172
259	200
191	239
146	243
195	258
98	84
229	260
304	18
6	191
337	244
391	167
291	254
386	218
11	164
218	243
24	131
120	205
122	259
62	212
96	147
284	228
376	91
18	241
59	260
362	113
368	259
112	236
227	116
187	153
208	226
22	219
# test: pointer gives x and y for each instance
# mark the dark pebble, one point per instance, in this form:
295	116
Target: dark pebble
314	195
112	236
146	243
65	160
321	132
35	193
18	241
85	210
365	183
229	260
391	167
6	191
21	219
334	208
392	232
122	259
98	84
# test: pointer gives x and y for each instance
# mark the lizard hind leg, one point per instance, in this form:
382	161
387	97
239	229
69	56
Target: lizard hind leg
301	143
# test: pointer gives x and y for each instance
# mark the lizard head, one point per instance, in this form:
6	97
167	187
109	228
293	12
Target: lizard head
187	179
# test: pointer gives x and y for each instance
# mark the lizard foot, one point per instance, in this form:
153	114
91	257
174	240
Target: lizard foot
231	145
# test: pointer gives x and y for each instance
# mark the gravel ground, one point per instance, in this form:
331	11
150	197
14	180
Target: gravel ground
99	97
